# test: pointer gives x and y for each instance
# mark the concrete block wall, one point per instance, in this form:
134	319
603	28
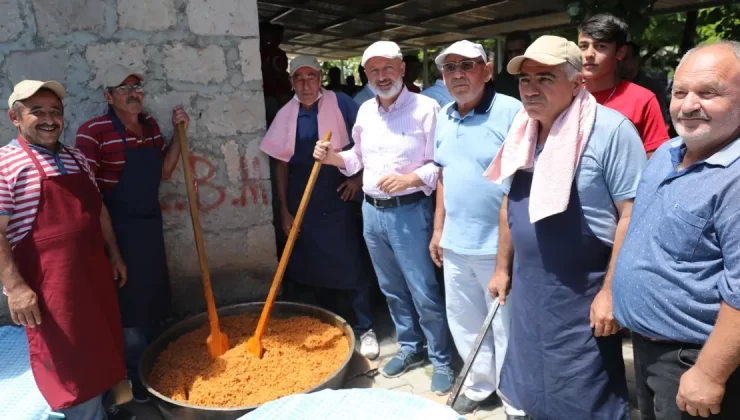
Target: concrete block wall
203	54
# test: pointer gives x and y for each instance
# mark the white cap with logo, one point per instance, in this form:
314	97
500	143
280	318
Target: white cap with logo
304	61
116	74
464	48
386	49
27	88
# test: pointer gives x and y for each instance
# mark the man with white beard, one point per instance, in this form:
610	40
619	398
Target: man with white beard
394	144
677	279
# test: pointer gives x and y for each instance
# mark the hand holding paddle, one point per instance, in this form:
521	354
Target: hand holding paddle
254	345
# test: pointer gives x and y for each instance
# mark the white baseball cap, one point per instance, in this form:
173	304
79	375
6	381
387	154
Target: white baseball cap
27	88
116	74
464	48
304	61
387	49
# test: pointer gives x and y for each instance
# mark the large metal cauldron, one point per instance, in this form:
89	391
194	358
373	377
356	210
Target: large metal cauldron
175	410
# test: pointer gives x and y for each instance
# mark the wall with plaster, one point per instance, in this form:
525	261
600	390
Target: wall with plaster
203	54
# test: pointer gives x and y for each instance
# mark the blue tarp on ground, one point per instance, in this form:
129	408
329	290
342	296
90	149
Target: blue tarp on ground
355	404
20	399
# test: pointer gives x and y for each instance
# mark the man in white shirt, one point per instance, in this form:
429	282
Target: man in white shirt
394	144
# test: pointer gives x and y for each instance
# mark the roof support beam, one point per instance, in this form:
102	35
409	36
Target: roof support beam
282	15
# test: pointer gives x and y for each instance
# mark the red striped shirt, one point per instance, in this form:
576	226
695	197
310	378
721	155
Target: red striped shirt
101	144
20	182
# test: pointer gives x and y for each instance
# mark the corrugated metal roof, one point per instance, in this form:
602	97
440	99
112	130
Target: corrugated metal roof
342	28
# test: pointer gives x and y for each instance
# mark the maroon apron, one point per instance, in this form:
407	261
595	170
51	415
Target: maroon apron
77	351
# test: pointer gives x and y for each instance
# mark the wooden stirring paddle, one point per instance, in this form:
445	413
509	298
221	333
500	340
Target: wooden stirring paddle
254	345
217	342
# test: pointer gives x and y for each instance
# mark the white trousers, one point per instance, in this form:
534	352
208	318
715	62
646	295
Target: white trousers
468	302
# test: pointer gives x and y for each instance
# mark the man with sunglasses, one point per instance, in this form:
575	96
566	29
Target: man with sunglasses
129	157
468	135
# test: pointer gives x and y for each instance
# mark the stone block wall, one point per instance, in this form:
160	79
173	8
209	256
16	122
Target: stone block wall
203	54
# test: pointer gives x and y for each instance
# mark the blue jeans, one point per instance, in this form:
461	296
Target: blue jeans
89	410
398	241
136	340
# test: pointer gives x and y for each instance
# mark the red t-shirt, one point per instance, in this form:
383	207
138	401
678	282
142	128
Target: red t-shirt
641	107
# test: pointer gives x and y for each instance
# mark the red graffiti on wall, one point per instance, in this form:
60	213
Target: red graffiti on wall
252	191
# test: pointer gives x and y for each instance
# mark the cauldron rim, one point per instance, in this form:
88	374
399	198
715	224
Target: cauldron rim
196	321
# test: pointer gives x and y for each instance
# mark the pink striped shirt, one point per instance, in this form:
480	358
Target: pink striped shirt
397	141
20	182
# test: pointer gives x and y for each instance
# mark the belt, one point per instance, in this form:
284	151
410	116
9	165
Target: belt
389	203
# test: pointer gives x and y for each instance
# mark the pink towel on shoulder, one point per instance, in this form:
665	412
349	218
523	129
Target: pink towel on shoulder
279	142
556	165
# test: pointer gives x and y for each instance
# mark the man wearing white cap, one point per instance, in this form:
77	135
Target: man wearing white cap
129	157
573	167
468	134
326	264
55	232
394	144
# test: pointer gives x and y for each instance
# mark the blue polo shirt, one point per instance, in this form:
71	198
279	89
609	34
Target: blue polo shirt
464	147
681	256
608	172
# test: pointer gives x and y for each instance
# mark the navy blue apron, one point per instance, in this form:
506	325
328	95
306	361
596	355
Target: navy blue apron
327	250
133	205
555	369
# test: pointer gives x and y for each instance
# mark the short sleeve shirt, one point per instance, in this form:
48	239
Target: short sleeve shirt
641	107
681	257
609	171
20	182
464	148
104	150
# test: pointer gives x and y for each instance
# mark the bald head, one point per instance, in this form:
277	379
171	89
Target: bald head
705	105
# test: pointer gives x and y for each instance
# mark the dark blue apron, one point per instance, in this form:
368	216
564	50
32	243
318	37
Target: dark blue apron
133	205
327	250
555	369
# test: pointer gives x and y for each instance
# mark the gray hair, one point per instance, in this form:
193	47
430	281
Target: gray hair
570	71
733	45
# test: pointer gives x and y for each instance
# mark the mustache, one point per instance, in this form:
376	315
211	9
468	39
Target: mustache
48	126
132	99
698	114
461	81
533	100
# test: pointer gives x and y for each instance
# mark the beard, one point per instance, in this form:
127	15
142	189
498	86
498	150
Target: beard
396	86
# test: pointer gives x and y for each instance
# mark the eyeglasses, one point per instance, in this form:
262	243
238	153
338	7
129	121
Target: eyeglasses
464	66
126	89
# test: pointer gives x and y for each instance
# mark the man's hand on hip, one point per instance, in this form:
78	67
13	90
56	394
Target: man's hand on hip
499	286
349	188
602	315
24	306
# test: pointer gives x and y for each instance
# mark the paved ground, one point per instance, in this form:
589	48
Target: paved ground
416	381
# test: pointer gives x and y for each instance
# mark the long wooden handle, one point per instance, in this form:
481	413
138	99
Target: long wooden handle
195	217
289	247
